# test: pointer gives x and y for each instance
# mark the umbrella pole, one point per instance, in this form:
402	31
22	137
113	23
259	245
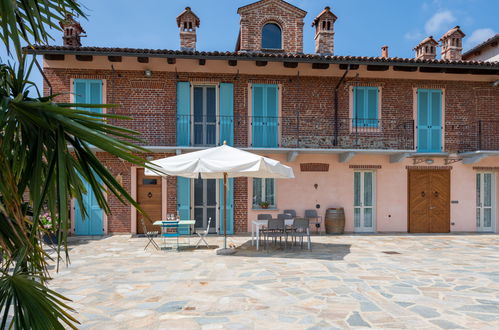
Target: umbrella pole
225	210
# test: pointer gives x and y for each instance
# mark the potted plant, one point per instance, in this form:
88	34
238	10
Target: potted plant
264	205
50	234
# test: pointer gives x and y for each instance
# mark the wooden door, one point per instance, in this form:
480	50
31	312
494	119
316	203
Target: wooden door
149	197
429	201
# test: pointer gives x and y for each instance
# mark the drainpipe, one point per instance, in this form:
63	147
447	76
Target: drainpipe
43	75
335	139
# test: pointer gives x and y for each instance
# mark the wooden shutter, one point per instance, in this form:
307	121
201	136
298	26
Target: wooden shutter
183	113
365	106
230	206
429	120
227	113
184	198
265	115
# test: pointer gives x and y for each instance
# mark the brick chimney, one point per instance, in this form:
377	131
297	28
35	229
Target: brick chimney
426	49
72	31
452	44
384	51
324	32
188	22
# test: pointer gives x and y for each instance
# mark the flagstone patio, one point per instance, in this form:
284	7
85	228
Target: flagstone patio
379	281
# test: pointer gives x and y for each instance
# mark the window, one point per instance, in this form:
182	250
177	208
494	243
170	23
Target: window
271	36
365	107
263	191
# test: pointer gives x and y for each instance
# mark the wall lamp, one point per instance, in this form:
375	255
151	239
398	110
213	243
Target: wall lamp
148	73
429	161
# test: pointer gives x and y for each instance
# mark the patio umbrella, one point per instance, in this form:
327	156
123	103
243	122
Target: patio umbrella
220	163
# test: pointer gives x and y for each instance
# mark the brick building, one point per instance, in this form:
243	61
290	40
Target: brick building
402	144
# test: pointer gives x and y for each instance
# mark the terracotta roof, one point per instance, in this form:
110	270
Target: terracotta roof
255	4
484	44
326	10
276	57
188	11
452	31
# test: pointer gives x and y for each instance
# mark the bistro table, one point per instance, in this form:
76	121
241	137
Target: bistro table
180	223
255	229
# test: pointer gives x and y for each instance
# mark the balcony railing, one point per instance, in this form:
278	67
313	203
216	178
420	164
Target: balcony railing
300	131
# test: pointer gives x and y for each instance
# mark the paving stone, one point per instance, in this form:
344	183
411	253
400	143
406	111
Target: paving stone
424	311
444	324
355	320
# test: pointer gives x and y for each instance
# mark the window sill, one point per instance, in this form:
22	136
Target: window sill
256	208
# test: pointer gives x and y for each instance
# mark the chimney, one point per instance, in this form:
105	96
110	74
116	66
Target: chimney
324	32
426	49
72	31
384	51
452	44
188	22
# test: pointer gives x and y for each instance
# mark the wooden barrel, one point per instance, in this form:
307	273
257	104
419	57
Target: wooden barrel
335	220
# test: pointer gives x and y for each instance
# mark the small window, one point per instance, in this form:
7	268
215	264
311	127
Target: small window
365	107
263	191
149	181
271	36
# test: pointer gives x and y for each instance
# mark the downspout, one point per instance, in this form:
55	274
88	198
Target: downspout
335	139
43	75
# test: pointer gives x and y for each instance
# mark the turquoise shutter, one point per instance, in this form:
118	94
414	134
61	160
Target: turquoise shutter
183	113
372	107
258	120
265	112
423	124
88	91
230	207
435	128
429	120
365	107
272	119
184	198
227	113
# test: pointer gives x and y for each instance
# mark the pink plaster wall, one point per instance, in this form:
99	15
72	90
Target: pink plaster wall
336	190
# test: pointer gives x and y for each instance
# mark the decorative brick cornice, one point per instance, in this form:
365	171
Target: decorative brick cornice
428	168
365	167
147	84
314	167
429	86
265	81
485	168
364	83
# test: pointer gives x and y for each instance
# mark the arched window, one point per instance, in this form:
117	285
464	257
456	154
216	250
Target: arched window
271	36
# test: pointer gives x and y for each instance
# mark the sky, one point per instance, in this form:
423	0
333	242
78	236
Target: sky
363	26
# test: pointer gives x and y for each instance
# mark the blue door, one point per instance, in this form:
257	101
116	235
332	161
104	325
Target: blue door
265	112
230	207
429	120
91	223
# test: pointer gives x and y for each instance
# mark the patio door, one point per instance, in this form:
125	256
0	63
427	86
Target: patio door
205	203
364	201
205	116
485	210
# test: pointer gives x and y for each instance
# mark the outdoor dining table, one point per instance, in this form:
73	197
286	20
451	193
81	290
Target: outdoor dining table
180	223
255	229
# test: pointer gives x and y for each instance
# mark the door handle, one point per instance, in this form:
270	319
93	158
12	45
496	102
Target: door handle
432	207
436	194
423	194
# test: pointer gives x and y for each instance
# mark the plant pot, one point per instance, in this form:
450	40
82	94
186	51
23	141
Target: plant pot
264	206
51	238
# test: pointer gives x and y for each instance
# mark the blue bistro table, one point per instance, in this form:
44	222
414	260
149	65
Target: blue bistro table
175	229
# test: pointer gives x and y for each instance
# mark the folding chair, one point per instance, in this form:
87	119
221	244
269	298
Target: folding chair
202	235
150	235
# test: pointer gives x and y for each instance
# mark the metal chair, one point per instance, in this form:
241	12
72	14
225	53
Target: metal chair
301	229
263	229
275	228
203	233
292	212
312	215
284	216
150	235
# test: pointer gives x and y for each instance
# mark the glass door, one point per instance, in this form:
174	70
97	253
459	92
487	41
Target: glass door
485	210
364	201
205	116
205	203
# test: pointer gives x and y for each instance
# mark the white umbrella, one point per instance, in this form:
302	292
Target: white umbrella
220	162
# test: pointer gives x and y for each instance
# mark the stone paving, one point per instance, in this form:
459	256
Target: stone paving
377	281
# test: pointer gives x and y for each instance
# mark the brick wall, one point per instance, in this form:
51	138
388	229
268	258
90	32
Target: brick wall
152	105
289	19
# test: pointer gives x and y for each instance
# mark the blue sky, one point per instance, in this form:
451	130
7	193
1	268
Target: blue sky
363	26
